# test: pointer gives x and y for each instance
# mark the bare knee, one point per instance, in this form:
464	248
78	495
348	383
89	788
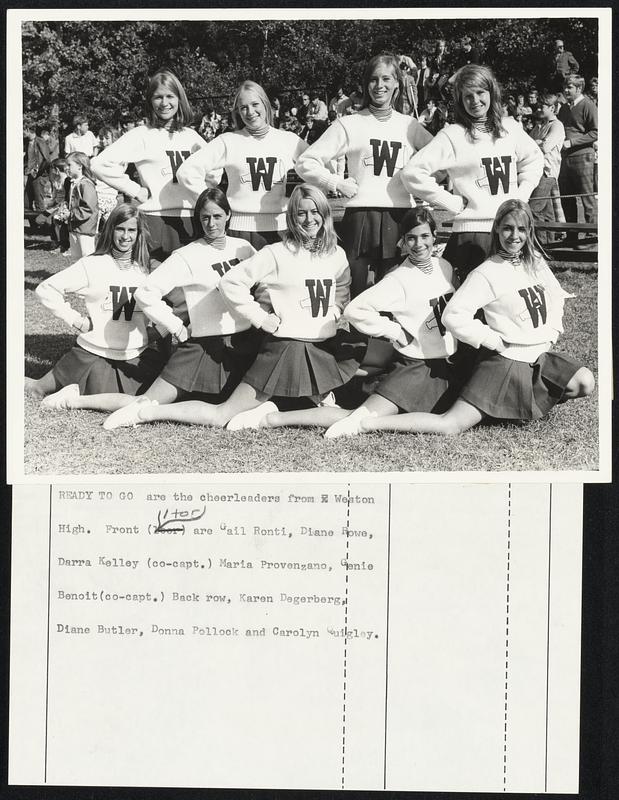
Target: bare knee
451	425
582	384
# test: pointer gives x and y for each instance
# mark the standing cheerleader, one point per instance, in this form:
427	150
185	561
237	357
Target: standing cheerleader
256	158
306	279
111	357
378	142
157	150
222	345
516	376
82	205
489	159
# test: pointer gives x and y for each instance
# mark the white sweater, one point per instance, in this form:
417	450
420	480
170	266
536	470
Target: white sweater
483	172
118	325
197	268
256	170
307	292
377	150
416	300
157	155
523	311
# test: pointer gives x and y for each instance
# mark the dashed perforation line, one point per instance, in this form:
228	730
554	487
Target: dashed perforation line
509	536
345	638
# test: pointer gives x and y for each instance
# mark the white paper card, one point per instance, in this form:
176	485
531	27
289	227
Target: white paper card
400	637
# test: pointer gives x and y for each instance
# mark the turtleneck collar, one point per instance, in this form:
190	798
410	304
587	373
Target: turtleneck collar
426	265
260	133
218	244
123	259
513	258
380	113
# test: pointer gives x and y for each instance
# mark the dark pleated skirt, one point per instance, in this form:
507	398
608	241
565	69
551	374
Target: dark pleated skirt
212	364
293	368
416	384
467	250
97	375
258	239
372	233
506	389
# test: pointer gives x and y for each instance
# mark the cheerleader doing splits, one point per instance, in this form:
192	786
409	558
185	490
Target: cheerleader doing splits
378	142
222	345
516	377
489	159
306	279
256	158
111	358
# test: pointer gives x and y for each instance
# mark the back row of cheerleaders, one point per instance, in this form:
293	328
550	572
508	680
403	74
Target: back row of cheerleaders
258	300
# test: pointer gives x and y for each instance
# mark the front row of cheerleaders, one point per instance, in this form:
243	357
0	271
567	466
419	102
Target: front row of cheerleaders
278	324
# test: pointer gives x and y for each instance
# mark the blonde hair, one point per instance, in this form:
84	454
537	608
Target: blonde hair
251	86
532	250
295	237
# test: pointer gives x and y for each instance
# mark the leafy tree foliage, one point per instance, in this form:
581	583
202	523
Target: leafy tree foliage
101	68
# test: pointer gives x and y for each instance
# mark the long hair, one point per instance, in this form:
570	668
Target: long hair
212	195
83	160
295	238
118	215
532	250
419	215
251	86
477	76
167	79
389	60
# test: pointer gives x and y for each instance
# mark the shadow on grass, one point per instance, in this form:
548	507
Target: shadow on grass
42	351
35	277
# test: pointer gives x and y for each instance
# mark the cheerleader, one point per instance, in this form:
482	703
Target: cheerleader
111	358
306	280
489	159
157	150
256	158
516	376
222	345
405	308
378	142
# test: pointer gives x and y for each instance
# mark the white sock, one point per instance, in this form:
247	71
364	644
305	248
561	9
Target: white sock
350	425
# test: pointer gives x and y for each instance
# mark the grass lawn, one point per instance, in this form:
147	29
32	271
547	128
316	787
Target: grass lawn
58	442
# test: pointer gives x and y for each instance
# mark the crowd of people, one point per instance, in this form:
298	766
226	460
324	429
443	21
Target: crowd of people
220	307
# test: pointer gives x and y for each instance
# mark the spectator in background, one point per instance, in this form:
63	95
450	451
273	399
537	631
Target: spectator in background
441	61
408	96
356	103
37	161
107	197
340	102
54	141
127	122
592	94
549	134
82	140
432	118
318	108
561	64
311	130
423	77
304	109
468	54
277	111
580	120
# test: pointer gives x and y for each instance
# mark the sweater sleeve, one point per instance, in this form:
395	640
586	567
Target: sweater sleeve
109	166
459	314
590	123
199	171
342	289
51	292
364	311
174	272
558	296
235	286
418	175
311	166
530	165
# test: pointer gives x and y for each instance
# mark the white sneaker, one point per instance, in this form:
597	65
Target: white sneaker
251	418
328	401
62	398
128	416
350	425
